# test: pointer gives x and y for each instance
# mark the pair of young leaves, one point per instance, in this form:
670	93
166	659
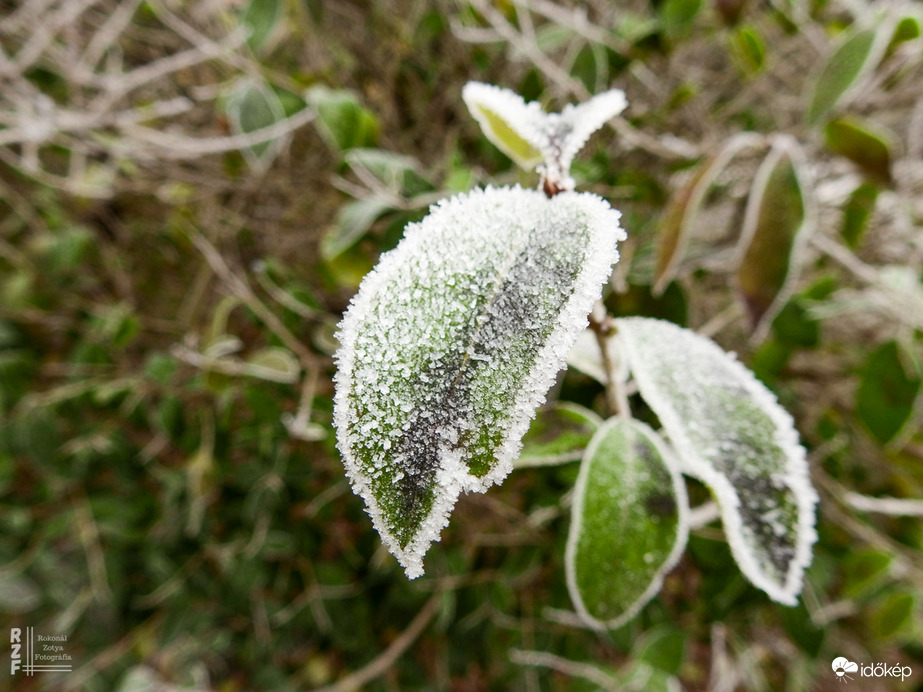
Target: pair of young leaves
454	339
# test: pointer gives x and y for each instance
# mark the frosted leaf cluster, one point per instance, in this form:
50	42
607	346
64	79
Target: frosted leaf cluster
530	136
453	341
729	431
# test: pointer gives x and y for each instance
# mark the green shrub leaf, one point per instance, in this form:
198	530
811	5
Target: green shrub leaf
560	433
886	393
451	344
678	220
253	105
629	523
866	144
855	57
776	226
730	432
353	220
341	119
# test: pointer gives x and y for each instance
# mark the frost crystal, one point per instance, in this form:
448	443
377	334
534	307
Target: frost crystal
730	431
452	342
530	136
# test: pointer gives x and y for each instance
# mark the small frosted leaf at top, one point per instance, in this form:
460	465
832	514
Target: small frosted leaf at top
729	431
451	344
529	136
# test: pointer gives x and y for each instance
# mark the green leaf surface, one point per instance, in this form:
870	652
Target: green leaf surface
559	433
749	50
856	55
505	138
353	220
678	220
866	144
260	18
856	213
775	228
729	431
396	173
341	119
252	105
451	344
628	523
886	394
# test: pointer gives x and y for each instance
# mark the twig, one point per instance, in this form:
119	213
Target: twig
181	147
378	666
601	324
242	290
703	514
570	668
844	257
892	506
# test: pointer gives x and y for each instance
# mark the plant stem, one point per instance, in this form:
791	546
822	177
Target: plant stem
601	324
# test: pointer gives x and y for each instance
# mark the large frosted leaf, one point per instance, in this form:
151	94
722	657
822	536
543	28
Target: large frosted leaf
451	344
530	136
730	431
629	523
776	225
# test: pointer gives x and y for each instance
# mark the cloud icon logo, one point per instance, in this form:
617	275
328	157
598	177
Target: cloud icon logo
841	666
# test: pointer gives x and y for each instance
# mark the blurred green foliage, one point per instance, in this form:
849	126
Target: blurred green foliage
171	496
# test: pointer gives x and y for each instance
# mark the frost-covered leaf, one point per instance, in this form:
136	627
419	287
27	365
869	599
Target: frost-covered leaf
510	123
586	357
559	433
679	218
629	523
777	222
851	62
730	432
252	105
451	344
528	135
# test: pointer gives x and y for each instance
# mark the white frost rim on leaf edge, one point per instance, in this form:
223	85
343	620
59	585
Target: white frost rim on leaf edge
795	474
682	527
551	358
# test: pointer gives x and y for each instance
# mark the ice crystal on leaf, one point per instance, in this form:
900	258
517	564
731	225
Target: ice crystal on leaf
452	342
529	136
729	431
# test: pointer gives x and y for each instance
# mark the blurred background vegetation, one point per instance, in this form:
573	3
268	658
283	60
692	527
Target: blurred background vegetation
190	193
